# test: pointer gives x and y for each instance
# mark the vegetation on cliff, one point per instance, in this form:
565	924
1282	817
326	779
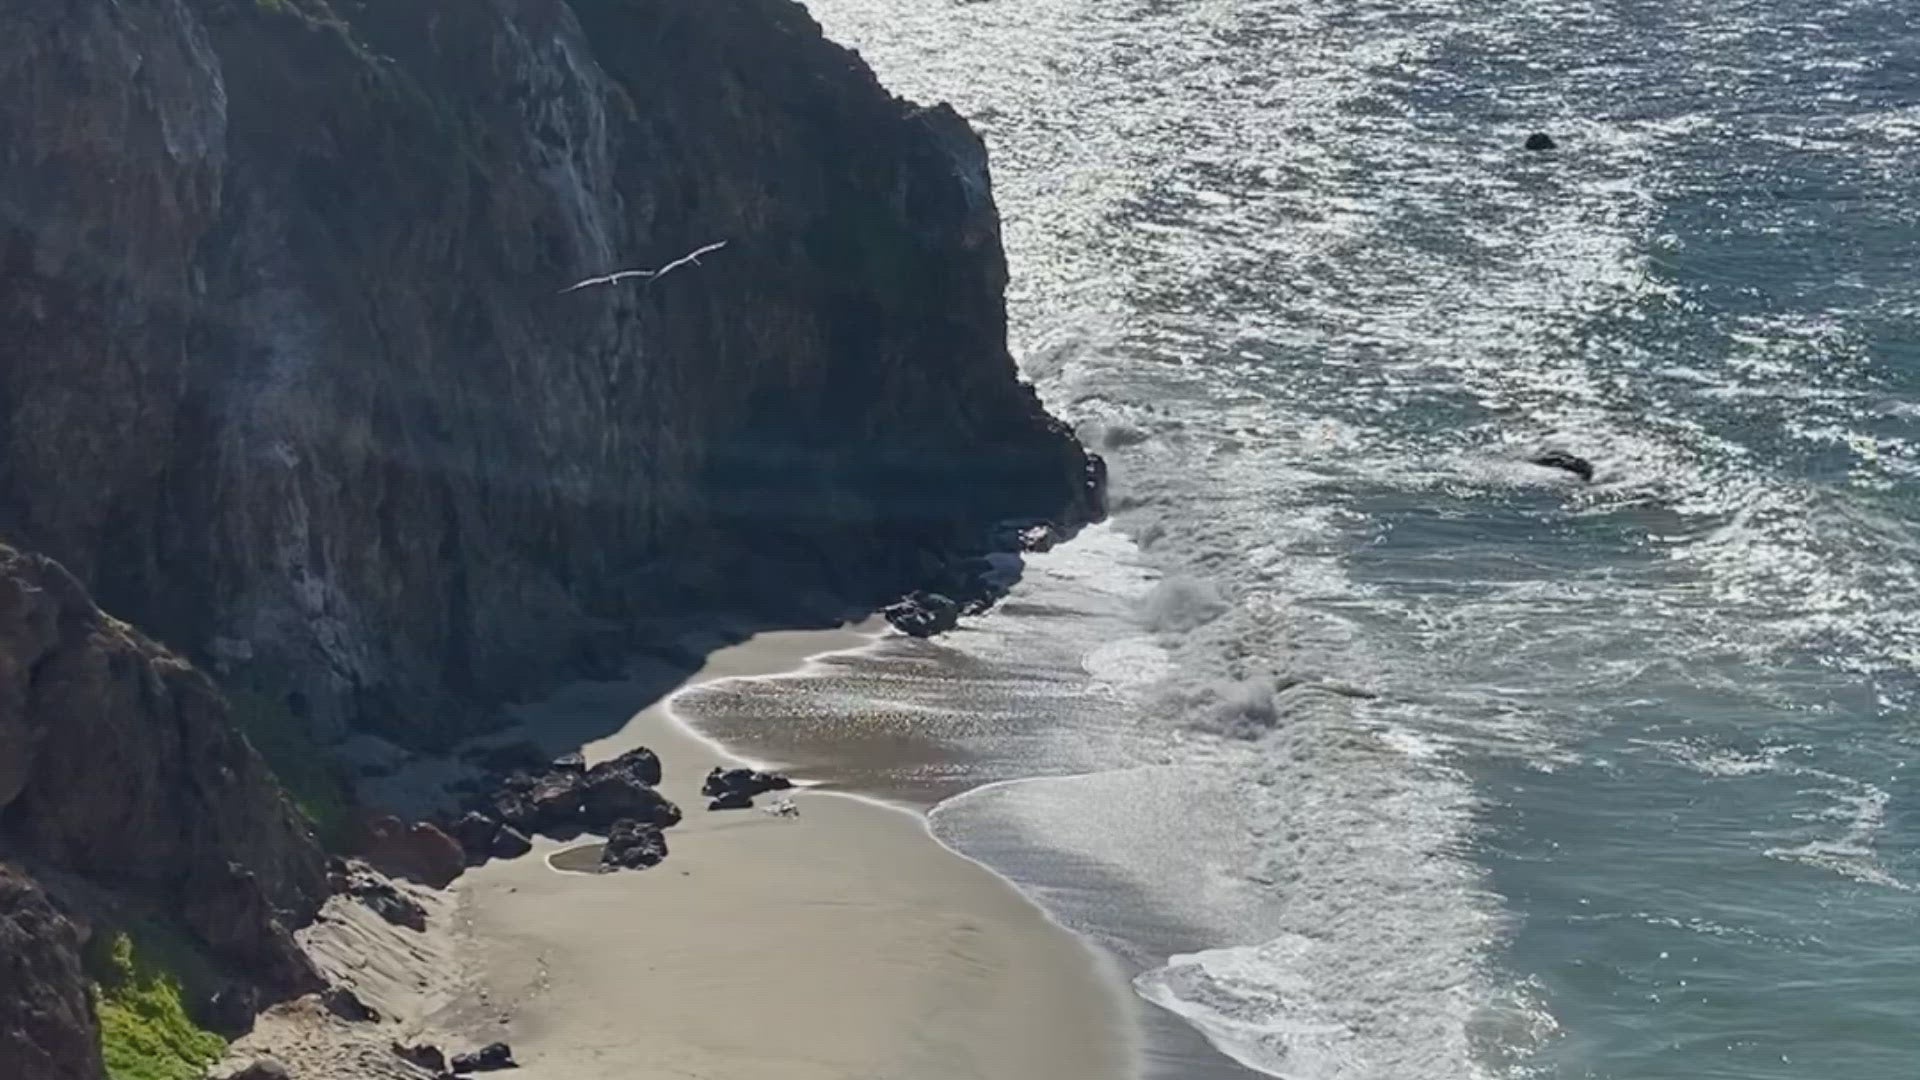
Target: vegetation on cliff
140	996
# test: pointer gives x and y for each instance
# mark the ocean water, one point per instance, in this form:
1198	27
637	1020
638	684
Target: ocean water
1372	751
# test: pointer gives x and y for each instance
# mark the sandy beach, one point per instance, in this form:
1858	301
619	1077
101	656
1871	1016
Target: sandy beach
843	942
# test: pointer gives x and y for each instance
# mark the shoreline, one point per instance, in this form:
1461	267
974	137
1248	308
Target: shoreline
714	963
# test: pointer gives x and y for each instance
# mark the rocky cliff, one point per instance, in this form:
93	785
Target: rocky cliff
122	778
118	764
287	377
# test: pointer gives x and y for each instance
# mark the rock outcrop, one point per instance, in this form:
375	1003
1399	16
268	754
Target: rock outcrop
47	1026
633	845
291	384
118	764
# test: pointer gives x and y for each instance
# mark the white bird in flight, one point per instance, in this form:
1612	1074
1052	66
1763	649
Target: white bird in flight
651	275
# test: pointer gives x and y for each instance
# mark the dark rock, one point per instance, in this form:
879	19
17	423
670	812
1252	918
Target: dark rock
119	764
390	903
476	832
742	782
491	1057
342	1002
623	788
639	764
47	1025
1539	141
923	614
230	1010
557	799
732	800
633	845
418	852
572	763
1559	459
510	843
516	809
425	1055
613	796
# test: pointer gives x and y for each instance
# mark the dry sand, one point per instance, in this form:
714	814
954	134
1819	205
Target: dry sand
843	943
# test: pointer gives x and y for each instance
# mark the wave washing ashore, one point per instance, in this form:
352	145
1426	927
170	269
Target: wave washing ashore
838	942
1371	750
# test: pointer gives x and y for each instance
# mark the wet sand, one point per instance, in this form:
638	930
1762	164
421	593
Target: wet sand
843	942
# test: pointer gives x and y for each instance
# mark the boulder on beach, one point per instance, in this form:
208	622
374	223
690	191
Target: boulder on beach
1539	141
923	614
612	797
732	800
510	843
476	832
489	1058
748	782
633	845
558	798
418	852
639	764
425	1055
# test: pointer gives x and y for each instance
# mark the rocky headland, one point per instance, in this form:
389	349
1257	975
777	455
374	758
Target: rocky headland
292	380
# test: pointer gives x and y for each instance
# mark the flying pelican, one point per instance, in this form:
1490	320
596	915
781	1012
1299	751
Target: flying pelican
651	275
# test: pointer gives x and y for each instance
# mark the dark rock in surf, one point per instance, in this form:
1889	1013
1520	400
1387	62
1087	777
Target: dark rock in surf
737	787
1560	459
569	763
923	614
633	845
1540	141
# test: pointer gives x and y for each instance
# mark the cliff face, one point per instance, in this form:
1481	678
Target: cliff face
287	378
47	1026
118	765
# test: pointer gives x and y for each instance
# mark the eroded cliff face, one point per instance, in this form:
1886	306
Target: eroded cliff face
286	376
47	1026
118	765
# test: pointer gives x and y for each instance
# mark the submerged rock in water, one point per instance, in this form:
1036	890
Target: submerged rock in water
633	845
923	614
1539	141
1560	459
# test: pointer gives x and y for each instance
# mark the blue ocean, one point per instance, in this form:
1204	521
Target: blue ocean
1371	749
